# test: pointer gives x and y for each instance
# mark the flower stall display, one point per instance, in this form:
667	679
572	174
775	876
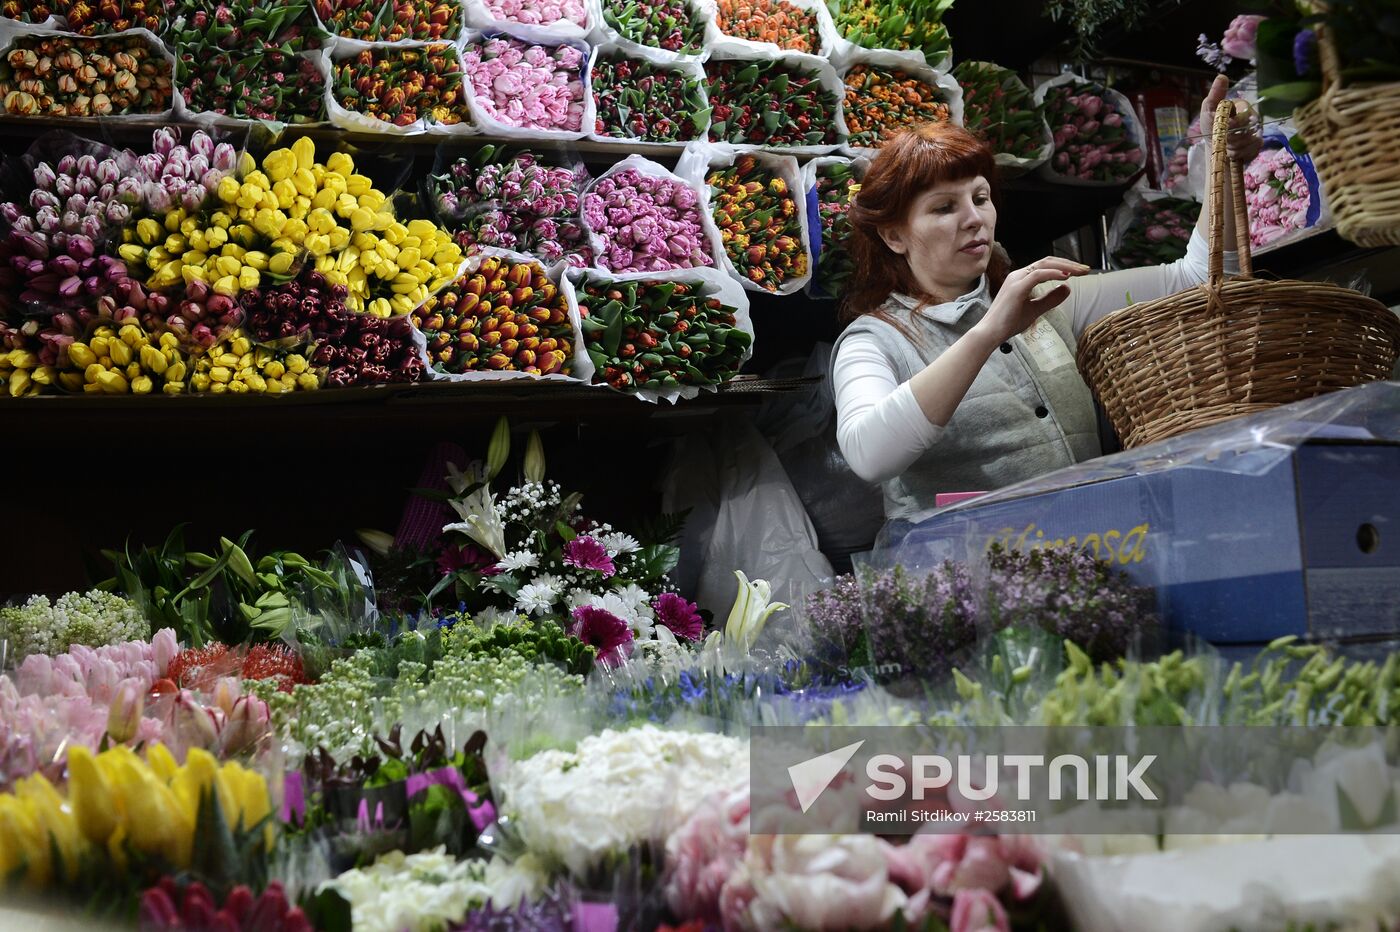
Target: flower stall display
504	316
392	20
884	96
754	201
57	75
998	107
663	338
1098	140
788	25
571	19
642	218
1282	194
523	89
675	27
398	89
830	183
915	29
636	98
522	200
1151	229
789	102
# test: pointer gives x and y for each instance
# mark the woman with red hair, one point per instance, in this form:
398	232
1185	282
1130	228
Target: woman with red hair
957	374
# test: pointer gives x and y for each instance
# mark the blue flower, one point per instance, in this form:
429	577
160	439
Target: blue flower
1305	52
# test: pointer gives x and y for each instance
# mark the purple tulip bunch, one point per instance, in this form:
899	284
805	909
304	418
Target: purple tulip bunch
127	302
514	203
53	244
201	319
647	223
361	349
294	311
177	175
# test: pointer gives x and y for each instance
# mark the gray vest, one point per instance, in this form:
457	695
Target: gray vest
1027	413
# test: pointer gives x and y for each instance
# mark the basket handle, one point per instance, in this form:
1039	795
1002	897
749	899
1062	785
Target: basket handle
1219	156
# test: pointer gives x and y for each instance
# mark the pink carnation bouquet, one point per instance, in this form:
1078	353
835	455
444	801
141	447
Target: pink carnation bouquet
527	86
646	223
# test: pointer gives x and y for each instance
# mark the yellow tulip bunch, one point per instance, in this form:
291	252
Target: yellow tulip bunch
21	375
239	367
218	249
118	804
118	361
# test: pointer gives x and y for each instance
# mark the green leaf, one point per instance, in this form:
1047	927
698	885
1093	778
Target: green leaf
612	336
204	578
564	531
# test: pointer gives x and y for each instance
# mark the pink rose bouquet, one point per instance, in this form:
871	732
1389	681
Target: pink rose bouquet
646	223
527	86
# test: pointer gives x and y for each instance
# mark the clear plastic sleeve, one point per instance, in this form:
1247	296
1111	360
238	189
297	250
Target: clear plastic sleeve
495	126
1132	128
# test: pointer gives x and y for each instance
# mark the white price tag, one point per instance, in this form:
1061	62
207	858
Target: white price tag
1046	348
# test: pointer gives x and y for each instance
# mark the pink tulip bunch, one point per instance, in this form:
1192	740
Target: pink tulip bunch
1091	138
539	12
527	86
176	175
647	223
54	244
1277	194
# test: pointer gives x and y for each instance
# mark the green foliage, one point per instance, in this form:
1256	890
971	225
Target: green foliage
1090	17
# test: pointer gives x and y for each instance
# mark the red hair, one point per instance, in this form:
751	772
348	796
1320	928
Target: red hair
912	162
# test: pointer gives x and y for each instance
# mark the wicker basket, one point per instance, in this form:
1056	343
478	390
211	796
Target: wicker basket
1351	134
1228	348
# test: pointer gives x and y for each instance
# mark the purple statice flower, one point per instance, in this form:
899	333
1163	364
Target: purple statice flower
917	622
835	616
1305	52
586	553
681	617
610	636
1070	594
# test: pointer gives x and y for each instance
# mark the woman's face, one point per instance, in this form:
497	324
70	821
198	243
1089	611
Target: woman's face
947	235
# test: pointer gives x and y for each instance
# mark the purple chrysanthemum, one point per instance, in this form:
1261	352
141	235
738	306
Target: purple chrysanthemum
588	554
610	636
681	617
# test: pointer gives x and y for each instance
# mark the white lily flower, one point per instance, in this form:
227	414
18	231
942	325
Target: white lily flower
752	608
481	520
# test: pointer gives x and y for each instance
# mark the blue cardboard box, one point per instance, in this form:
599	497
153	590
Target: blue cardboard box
1283	523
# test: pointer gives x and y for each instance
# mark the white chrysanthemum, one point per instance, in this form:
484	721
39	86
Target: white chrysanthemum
534	599
655	780
519	560
619	543
639	617
637	597
549	581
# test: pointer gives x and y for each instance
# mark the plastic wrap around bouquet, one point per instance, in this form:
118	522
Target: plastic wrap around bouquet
1151	228
831	183
642	218
757	204
886	93
1098	139
660	337
640	96
998	107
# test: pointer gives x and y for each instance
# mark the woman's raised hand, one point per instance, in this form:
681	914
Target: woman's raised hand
1015	309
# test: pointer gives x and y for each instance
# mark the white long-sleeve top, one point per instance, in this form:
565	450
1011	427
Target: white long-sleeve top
880	427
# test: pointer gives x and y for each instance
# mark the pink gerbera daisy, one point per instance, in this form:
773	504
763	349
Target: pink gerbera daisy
587	553
608	634
681	617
